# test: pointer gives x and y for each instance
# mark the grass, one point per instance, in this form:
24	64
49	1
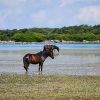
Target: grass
49	87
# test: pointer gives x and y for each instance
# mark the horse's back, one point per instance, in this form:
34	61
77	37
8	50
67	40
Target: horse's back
26	55
35	58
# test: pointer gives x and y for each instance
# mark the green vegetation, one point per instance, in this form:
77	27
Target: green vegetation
45	87
71	33
31	37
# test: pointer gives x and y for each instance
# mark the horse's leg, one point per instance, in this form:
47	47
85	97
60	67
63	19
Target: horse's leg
26	66
39	66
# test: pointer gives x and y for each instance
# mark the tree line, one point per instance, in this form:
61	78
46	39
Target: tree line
71	33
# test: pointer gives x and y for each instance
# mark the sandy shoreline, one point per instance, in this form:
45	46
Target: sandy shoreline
53	41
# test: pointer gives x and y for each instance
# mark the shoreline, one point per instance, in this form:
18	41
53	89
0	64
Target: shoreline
53	41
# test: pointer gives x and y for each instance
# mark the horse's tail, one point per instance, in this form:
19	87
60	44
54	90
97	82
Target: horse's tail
26	61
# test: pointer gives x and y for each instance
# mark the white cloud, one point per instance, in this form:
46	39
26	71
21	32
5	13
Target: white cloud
48	12
66	2
12	8
89	14
40	16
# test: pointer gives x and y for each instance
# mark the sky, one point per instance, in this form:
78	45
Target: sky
17	14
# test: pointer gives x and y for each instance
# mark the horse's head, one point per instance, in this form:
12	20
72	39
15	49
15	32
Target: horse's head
51	54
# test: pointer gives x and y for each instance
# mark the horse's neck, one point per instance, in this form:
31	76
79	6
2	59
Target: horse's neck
39	53
44	56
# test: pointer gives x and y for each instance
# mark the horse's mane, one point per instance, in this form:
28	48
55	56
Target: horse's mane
40	52
55	47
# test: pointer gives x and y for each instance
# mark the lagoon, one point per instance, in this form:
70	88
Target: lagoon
73	59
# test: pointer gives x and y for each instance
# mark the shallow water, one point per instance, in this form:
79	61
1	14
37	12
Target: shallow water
73	59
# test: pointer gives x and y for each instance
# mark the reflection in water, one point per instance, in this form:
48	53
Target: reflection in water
70	61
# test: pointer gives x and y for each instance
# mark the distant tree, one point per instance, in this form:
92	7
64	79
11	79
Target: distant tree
75	33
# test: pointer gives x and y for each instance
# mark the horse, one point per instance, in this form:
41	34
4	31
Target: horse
50	47
37	58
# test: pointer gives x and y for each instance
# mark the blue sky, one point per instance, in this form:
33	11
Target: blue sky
16	14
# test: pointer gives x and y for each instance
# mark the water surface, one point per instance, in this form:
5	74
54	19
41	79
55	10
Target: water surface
73	59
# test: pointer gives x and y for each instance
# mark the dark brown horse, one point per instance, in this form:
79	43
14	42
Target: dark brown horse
37	58
50	47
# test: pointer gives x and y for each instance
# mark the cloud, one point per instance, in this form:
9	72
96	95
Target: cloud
43	18
48	13
11	9
54	22
39	16
12	3
3	16
66	2
13	6
20	3
46	1
89	14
